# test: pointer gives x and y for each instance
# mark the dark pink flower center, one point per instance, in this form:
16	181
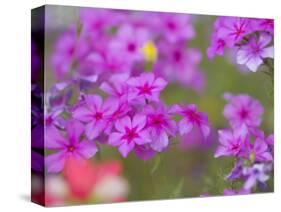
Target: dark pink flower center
171	25
130	134
145	89
244	113
98	115
192	116
157	120
70	148
239	30
177	55
131	47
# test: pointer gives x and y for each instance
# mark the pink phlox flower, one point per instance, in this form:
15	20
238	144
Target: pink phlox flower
129	42
160	126
243	109
68	145
232	29
175	27
95	114
232	142
146	87
255	51
191	118
118	87
130	132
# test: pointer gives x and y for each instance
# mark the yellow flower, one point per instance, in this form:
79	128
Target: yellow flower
150	51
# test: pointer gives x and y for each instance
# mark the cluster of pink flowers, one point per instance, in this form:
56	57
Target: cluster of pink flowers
251	39
110	70
132	117
246	142
111	41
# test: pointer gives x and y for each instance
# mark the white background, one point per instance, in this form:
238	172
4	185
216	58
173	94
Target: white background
15	103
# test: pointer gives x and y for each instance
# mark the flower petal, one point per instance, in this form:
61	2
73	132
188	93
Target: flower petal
55	162
87	149
125	148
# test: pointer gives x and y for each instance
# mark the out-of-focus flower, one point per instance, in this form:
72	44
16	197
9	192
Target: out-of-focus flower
231	142
258	173
130	132
67	146
101	182
243	109
175	27
255	51
129	42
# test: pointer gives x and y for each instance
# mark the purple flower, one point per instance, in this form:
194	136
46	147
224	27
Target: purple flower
144	152
232	29
236	172
243	109
258	173
259	151
130	132
129	42
160	126
95	113
180	64
216	47
192	118
231	142
266	25
253	53
67	146
146	87
175	27
117	87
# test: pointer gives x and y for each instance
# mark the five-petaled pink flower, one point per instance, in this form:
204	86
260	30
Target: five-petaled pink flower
95	114
146	87
160	126
232	142
192	118
243	109
67	146
130	132
255	51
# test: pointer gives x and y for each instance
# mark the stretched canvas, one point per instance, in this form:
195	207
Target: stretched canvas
139	105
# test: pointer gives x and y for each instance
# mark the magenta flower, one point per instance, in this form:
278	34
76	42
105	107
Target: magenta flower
175	27
253	53
233	142
216	47
116	86
129	42
95	114
232	29
180	64
192	118
144	152
146	87
266	25
69	145
243	109
160	126
130	132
